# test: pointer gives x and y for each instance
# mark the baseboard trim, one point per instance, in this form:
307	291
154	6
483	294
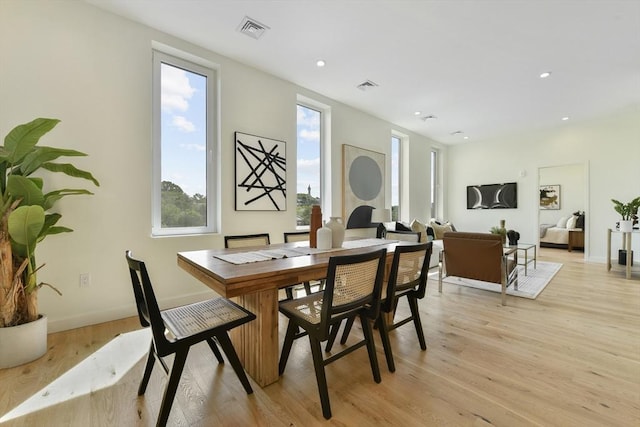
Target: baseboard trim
93	318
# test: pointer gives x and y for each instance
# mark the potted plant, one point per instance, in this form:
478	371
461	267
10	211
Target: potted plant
26	218
628	212
501	231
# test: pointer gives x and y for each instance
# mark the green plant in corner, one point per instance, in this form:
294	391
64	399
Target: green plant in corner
627	211
25	214
498	230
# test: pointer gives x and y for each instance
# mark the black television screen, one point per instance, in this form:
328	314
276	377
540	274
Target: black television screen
492	196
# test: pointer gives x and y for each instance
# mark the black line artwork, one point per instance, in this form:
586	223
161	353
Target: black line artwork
260	173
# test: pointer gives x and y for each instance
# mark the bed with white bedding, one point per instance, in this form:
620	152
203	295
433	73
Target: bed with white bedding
557	235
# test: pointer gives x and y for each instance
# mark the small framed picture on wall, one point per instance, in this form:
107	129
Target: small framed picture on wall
550	197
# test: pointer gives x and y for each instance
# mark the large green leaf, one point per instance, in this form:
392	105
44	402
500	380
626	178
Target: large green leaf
51	198
21	140
70	170
26	189
25	224
34	160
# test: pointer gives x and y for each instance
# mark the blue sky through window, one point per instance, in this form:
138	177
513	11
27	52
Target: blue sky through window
184	132
308	144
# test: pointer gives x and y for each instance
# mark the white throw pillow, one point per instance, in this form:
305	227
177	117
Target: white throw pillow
418	226
562	222
571	222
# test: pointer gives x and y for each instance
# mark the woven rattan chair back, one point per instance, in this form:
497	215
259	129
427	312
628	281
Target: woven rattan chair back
406	236
241	241
296	236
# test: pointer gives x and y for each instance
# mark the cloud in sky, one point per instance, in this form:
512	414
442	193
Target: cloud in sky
313	135
194	147
176	89
183	124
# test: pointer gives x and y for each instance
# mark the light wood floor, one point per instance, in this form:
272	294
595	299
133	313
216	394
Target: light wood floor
569	358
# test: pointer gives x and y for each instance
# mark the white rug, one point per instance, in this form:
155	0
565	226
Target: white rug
529	286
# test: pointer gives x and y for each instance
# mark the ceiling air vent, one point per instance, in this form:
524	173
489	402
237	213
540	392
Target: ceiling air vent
252	28
429	117
366	85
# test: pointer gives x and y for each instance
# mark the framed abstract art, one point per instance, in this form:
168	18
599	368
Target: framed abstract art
261	168
362	179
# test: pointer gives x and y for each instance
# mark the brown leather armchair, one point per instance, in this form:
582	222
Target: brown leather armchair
479	256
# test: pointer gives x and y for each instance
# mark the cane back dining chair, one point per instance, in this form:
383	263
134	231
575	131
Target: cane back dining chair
407	278
175	330
406	236
353	287
244	240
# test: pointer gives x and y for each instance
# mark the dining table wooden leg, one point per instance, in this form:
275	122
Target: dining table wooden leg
256	342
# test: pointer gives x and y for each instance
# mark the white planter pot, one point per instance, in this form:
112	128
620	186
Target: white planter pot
626	226
23	343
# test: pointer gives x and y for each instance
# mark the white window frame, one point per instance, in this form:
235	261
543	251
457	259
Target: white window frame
325	163
434	190
202	67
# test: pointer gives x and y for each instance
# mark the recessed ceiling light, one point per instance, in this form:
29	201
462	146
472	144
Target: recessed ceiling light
545	74
320	63
565	118
417	113
465	137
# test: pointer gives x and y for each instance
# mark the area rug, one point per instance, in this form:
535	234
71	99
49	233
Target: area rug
529	286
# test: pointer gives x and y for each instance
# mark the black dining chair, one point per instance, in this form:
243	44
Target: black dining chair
175	330
407	278
353	288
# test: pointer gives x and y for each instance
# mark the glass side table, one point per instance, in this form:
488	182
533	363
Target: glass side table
525	248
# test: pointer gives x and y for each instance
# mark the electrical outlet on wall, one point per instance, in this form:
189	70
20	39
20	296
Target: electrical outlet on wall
85	280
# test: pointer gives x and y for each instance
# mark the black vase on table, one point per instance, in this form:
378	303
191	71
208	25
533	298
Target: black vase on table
513	236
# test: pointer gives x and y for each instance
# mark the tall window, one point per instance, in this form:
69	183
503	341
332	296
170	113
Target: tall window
183	146
309	146
395	178
434	184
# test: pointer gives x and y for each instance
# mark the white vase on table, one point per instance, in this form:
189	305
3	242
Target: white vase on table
626	226
324	237
337	231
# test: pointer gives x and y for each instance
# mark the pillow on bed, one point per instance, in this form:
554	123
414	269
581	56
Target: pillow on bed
562	222
571	222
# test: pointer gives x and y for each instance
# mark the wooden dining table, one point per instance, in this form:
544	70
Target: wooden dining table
255	286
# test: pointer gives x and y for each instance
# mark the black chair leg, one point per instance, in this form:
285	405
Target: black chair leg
371	347
333	333
170	392
318	364
292	330
230	351
413	304
289	292
307	288
347	330
151	360
386	343
214	348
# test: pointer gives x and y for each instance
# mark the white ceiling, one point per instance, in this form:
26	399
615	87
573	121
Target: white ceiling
475	64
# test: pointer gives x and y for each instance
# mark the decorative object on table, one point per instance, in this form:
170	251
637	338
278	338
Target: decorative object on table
628	212
550	197
337	231
25	220
500	230
493	196
380	217
314	224
363	178
513	236
324	237
261	173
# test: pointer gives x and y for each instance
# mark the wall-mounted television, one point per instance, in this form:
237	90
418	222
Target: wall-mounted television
493	196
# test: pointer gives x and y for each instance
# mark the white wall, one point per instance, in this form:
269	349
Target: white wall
92	70
608	147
